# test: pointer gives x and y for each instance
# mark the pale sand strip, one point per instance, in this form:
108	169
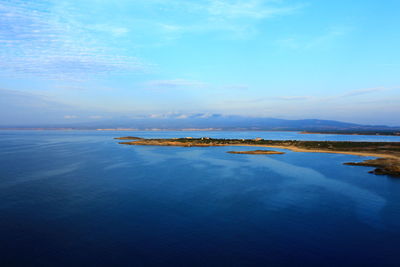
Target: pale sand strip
292	148
296	149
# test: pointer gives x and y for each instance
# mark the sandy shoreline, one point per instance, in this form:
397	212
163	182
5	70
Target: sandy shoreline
291	148
386	162
296	149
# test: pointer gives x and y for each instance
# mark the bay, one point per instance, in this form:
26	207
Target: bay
80	198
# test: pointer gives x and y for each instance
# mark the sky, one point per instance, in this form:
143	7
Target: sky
294	59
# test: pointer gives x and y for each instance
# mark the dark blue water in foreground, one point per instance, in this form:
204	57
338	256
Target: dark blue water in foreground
79	198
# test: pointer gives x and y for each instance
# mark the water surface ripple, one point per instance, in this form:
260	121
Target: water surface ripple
80	198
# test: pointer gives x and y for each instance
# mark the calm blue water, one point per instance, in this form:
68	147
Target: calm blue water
79	198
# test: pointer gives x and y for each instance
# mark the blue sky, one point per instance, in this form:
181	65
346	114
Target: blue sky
92	59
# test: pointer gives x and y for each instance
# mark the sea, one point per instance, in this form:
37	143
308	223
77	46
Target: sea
78	198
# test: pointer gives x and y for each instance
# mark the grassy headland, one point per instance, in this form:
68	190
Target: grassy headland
388	152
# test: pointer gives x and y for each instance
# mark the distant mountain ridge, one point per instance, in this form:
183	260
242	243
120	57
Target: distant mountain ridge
218	122
20	109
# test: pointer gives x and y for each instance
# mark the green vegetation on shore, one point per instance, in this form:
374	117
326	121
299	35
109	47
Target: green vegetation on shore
389	164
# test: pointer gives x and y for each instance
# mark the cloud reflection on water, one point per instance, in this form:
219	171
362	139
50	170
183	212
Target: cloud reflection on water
368	205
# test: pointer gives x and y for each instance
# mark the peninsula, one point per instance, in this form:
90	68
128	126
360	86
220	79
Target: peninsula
387	152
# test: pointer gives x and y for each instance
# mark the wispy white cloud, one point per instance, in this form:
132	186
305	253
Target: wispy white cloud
28	108
235	87
228	9
37	39
174	84
364	91
233	18
307	99
191	84
321	40
327	38
63	40
350	93
249	9
292	98
70	117
96	117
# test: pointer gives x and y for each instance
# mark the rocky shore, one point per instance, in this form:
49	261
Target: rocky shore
383	166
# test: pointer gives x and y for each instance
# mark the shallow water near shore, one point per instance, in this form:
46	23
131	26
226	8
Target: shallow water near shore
79	197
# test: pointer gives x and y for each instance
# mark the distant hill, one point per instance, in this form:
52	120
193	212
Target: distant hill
21	110
222	122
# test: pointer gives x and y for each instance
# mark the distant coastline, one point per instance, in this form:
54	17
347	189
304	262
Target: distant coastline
391	133
160	129
365	133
